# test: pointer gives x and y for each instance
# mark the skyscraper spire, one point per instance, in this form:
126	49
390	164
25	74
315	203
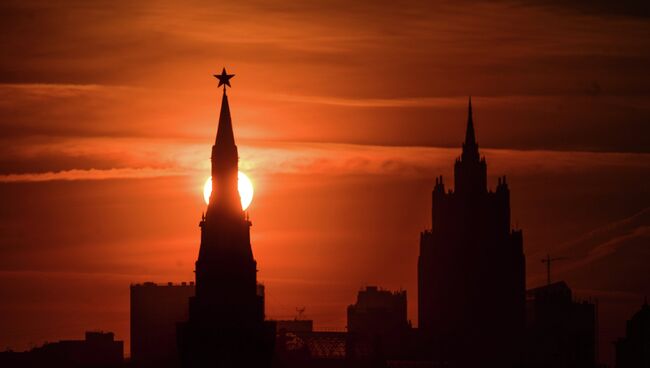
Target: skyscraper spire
470	147
470	137
470	172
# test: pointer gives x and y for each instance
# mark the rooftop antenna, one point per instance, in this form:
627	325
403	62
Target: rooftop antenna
548	260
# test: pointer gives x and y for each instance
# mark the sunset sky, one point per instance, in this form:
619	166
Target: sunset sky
344	113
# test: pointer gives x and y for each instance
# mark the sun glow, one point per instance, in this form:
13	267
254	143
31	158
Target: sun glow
244	185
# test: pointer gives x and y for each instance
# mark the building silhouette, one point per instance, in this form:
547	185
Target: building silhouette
633	350
378	327
473	308
226	326
294	325
155	312
560	331
97	350
299	346
471	269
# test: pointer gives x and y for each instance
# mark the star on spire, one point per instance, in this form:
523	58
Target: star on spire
224	79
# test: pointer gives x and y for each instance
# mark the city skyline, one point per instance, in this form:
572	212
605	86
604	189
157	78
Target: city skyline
109	167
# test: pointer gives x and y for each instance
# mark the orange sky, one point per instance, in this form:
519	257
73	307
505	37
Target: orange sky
344	113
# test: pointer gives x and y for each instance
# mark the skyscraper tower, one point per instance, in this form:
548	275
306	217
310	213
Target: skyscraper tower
471	270
226	326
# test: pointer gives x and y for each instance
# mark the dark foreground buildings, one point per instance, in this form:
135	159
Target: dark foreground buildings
473	308
226	326
471	270
97	350
299	346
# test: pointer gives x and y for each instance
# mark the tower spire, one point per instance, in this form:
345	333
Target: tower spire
225	135
225	159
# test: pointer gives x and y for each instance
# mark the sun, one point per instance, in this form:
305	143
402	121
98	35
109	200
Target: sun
244	185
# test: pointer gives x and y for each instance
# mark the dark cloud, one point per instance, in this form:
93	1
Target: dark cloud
626	8
143	70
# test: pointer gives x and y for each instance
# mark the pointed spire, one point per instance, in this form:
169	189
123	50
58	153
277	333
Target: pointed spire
225	135
470	147
470	136
225	163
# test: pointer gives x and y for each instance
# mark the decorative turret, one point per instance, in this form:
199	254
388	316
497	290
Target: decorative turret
440	185
502	184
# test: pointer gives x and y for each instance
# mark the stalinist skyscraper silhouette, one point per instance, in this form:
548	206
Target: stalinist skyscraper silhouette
471	270
226	326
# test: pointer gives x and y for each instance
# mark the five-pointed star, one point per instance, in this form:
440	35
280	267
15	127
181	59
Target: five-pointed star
224	78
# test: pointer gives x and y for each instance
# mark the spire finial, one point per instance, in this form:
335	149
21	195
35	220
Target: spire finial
224	79
225	134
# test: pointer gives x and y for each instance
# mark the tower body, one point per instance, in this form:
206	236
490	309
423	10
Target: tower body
226	326
471	270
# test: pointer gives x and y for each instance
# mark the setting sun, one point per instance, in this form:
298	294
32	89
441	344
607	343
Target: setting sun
244	185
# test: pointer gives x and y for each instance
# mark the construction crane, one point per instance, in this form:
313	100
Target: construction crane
548	260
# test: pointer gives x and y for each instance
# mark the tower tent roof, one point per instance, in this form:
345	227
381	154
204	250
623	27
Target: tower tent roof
225	135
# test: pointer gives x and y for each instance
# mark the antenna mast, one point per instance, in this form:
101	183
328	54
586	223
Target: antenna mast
548	260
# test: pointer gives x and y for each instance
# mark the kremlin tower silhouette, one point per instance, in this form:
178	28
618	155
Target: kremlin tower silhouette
226	326
471	269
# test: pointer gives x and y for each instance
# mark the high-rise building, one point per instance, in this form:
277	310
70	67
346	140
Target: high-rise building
378	327
155	312
226	326
633	350
560	331
471	269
